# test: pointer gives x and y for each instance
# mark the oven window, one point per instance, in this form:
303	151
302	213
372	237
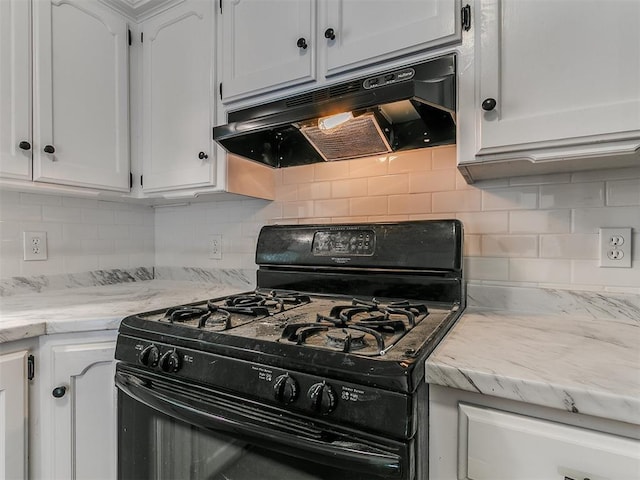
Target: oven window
152	445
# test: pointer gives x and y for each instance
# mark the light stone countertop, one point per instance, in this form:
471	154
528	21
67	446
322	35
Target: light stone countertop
581	364
575	351
97	307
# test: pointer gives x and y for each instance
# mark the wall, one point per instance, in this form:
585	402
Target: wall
527	231
82	234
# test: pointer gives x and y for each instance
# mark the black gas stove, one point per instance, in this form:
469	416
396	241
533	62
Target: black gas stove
336	333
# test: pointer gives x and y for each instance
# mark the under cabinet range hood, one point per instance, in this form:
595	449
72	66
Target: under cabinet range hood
400	109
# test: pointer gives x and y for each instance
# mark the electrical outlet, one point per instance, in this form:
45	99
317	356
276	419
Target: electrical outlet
215	247
35	246
615	247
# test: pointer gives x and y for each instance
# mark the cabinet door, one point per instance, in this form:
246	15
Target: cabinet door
15	88
13	415
497	444
561	73
178	103
369	32
80	94
79	424
260	45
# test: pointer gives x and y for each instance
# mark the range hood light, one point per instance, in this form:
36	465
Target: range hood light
329	123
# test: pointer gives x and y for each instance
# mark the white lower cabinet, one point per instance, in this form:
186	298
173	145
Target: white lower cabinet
13	414
476	437
74	422
495	444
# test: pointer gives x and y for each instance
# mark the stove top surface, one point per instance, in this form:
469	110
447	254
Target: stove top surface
392	329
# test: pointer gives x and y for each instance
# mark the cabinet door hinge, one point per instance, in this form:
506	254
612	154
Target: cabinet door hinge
31	367
129	36
141	37
466	18
141	184
220	90
220	7
130	179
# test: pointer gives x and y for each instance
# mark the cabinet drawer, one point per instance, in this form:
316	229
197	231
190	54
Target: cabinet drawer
496	445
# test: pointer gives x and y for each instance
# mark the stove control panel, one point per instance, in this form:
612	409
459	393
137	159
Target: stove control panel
351	242
329	399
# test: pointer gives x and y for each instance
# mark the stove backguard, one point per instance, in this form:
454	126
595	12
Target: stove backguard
416	259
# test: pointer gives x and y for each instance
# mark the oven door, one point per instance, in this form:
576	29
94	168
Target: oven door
170	429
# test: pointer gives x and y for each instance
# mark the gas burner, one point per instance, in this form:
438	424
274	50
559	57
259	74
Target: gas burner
373	312
326	334
183	314
262	304
346	339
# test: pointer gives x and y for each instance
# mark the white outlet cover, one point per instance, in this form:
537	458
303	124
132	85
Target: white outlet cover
35	246
215	247
615	247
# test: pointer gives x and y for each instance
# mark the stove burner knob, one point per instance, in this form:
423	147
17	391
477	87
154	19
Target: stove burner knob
323	398
149	356
285	389
170	362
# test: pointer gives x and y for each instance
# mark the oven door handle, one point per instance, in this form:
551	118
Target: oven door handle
331	449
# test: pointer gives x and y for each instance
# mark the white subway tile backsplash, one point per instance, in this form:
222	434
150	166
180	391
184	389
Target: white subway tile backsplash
540	179
37	199
98	216
388	184
484	222
472	246
444	157
589	220
456	201
415	161
433	181
540	221
579	246
368	206
512	198
368	167
53	213
572	195
330	171
510	246
486	268
539	270
411	203
314	191
537	230
623	192
353	187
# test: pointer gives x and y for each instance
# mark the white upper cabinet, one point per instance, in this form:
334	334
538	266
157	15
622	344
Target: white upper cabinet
15	89
361	32
178	98
267	44
547	80
272	44
81	109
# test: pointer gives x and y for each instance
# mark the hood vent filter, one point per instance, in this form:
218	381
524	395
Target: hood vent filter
359	137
